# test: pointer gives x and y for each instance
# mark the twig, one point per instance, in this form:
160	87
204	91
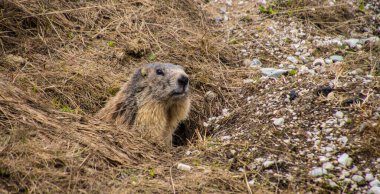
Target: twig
171	180
247	184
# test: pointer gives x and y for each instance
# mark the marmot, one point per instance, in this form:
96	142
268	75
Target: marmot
153	102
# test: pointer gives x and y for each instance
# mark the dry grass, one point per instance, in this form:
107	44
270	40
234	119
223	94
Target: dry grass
61	60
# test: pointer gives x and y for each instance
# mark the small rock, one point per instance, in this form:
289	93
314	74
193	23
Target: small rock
223	10
339	115
325	90
328	61
247	81
345	160
369	177
369	40
292	95
304	59
225	138
251	182
255	62
375	183
343	140
268	163
351	42
218	18
318	61
328	166
210	95
374	190
272	72
292	59
317	172
278	121
332	184
336	58
323	159
357	178
183	167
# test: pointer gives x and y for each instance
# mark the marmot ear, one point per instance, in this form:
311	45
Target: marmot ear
143	72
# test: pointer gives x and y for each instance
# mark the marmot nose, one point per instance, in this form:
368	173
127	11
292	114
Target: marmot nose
183	80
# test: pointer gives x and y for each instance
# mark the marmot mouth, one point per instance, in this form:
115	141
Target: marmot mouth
178	94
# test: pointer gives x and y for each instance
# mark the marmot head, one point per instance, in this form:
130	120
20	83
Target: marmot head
163	82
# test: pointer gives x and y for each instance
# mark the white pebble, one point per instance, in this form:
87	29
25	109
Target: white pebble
318	172
323	159
268	163
369	177
251	182
345	160
375	183
343	140
224	138
328	166
278	121
183	167
374	190
339	115
357	178
332	184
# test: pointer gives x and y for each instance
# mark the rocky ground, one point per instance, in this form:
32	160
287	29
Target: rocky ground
309	109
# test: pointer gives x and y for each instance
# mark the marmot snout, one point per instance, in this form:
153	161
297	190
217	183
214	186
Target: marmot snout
153	102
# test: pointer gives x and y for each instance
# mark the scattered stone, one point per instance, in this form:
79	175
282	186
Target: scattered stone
332	184
351	42
223	10
375	183
226	138
324	90
369	177
328	61
336	58
268	163
357	178
339	115
374	190
292	95
323	159
247	81
317	172
210	95
345	160
183	167
292	59
318	61
278	121
350	101
251	182
304	59
272	72
255	62
328	166
343	140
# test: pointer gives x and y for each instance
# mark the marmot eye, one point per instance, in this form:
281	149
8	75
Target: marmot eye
159	72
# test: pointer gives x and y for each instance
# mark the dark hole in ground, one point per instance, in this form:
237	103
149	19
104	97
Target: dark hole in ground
183	134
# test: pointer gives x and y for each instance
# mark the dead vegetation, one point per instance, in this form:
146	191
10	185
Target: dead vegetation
61	60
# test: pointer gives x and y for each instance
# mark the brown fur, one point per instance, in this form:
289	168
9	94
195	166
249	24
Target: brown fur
147	104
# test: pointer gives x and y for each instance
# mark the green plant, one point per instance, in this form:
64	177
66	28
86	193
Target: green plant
292	72
152	56
111	43
268	9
